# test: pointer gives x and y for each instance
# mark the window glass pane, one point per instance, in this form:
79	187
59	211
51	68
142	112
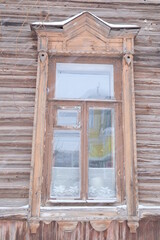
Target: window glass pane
101	154
68	117
66	166
84	81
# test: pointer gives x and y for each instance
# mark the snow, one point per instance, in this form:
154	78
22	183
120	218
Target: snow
62	23
143	207
15	208
109	208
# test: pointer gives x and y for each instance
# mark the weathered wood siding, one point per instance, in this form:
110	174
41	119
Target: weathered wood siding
19	230
18	66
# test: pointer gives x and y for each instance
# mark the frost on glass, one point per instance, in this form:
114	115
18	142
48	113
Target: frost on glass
65	169
84	81
101	154
68	117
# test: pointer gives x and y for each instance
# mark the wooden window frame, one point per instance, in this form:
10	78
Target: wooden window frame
115	103
85	35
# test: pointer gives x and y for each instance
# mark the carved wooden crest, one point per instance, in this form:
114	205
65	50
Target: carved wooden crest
67	226
100	225
85	34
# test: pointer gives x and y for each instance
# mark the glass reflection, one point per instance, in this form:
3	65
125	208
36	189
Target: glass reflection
65	170
101	153
84	81
68	117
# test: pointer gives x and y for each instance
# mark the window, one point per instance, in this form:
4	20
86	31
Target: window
85	148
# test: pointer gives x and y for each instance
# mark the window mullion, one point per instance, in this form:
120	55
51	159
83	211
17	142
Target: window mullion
85	150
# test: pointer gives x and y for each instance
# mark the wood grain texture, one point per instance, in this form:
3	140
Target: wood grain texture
39	129
130	154
18	69
149	229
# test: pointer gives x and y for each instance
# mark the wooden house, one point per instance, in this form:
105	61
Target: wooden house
79	120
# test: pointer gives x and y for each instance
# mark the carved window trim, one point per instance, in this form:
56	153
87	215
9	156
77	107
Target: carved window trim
103	39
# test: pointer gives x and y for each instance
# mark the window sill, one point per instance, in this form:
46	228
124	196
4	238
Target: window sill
112	100
63	201
83	213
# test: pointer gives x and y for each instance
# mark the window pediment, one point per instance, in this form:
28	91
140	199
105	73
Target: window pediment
85	33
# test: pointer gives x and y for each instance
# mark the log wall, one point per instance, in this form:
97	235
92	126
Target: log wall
18	67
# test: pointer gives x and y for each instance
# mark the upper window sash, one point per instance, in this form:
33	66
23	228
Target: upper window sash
80	78
84	81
